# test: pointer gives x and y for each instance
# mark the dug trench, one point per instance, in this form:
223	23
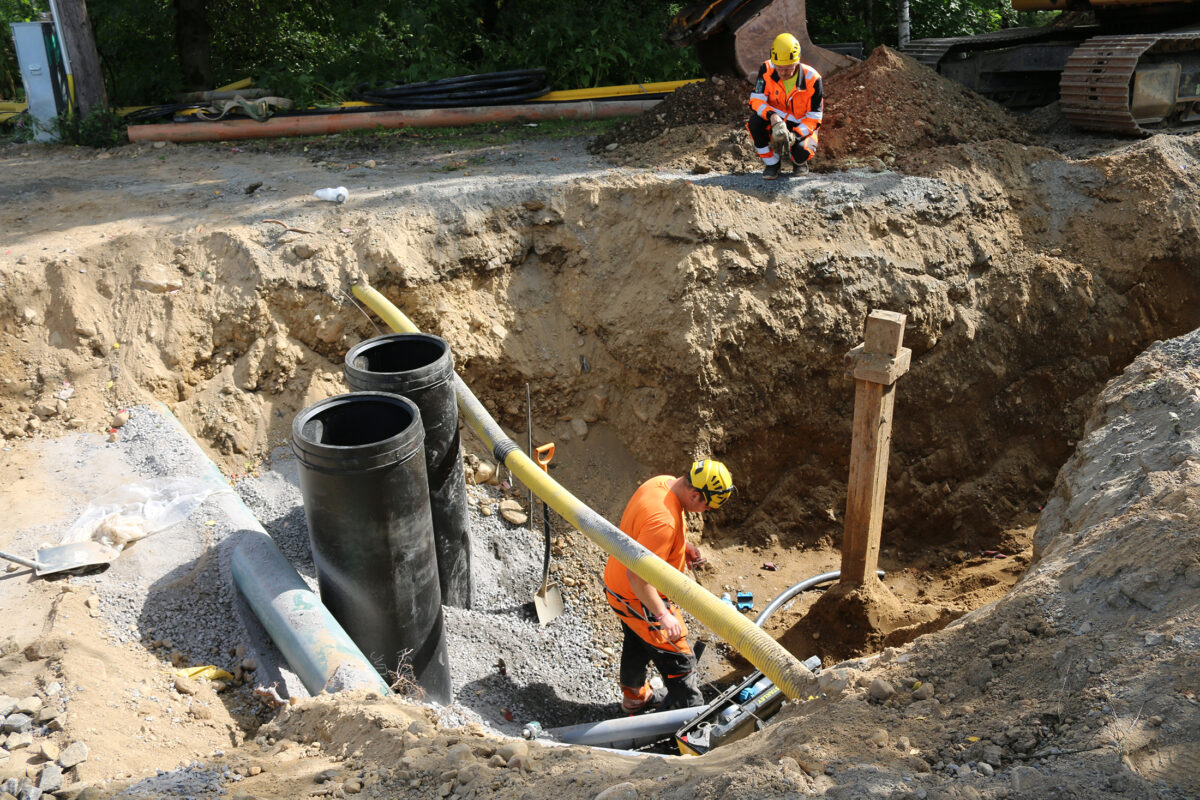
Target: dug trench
658	316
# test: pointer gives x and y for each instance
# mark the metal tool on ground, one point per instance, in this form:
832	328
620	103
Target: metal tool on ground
66	558
547	601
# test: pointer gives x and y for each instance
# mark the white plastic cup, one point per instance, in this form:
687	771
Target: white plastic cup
335	194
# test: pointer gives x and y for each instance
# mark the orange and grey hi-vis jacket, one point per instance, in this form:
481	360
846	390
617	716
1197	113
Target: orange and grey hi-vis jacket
802	108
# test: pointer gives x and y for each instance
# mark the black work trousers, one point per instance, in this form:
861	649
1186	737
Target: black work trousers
678	670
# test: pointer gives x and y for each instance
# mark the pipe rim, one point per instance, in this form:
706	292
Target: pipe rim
394	449
436	371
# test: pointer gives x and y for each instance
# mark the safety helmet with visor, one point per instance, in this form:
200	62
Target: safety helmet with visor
711	479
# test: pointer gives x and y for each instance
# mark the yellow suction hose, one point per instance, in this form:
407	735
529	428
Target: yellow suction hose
786	671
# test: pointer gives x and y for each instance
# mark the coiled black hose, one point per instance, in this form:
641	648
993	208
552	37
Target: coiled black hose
489	89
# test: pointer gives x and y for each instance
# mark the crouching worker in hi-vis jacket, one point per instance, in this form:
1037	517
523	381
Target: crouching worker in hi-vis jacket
653	626
788	103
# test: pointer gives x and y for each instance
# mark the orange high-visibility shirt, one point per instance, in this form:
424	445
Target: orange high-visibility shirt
802	105
653	517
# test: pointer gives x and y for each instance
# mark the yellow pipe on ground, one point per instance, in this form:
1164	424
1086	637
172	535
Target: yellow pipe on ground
784	669
625	90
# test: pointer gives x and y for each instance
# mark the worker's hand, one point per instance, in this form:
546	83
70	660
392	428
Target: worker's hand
691	555
780	135
672	628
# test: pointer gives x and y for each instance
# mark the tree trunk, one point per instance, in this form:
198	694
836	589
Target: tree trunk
904	23
193	44
80	44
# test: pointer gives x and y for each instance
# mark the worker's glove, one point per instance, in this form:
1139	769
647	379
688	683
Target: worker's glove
781	137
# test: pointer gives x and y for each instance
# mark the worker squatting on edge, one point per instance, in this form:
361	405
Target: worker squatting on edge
788	103
653	626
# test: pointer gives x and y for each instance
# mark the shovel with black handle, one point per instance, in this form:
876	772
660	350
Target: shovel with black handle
547	601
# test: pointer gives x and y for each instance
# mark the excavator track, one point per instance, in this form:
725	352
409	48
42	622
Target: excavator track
931	51
1095	90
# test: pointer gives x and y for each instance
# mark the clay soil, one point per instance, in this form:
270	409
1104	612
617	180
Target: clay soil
1036	634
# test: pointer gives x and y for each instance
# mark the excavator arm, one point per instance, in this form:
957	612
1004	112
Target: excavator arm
736	35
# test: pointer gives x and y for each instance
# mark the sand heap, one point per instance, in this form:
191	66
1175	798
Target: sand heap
876	112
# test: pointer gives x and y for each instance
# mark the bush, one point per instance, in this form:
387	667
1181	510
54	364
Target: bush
100	128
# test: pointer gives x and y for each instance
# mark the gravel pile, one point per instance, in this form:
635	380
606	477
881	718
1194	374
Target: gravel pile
173	590
193	781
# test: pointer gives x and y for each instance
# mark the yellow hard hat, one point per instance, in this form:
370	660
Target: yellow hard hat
785	50
711	479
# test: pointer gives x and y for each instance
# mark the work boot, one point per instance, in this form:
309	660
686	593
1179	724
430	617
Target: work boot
683	691
771	171
653	703
800	169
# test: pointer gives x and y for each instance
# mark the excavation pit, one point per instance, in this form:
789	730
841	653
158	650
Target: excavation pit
655	316
696	324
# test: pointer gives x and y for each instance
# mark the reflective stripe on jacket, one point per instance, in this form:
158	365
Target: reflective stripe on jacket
802	108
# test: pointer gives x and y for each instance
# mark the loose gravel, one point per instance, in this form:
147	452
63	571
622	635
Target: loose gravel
174	590
502	664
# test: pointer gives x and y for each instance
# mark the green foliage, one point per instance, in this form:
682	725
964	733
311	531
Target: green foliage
874	23
136	40
583	45
100	128
21	128
316	52
319	56
10	74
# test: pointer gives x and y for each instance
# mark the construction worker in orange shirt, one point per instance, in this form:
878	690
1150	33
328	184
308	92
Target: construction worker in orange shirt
787	104
653	626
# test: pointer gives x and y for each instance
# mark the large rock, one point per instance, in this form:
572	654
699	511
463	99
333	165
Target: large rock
74	753
51	779
622	791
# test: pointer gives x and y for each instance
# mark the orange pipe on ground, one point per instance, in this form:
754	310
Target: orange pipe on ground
314	125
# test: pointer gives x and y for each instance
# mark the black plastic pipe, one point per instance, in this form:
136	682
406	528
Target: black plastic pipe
419	366
366	500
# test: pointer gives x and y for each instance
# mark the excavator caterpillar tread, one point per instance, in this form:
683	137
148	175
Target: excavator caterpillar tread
930	52
1094	91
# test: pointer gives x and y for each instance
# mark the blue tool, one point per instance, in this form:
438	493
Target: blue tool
745	601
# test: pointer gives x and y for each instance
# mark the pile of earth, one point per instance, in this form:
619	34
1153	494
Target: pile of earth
876	113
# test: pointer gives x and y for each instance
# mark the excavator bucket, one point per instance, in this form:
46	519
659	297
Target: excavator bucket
736	35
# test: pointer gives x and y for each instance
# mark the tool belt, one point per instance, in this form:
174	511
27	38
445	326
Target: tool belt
631	612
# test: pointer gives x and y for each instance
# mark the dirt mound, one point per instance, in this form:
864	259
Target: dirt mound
720	100
699	128
877	112
890	106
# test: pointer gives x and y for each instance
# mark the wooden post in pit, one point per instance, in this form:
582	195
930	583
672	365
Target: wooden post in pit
875	365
